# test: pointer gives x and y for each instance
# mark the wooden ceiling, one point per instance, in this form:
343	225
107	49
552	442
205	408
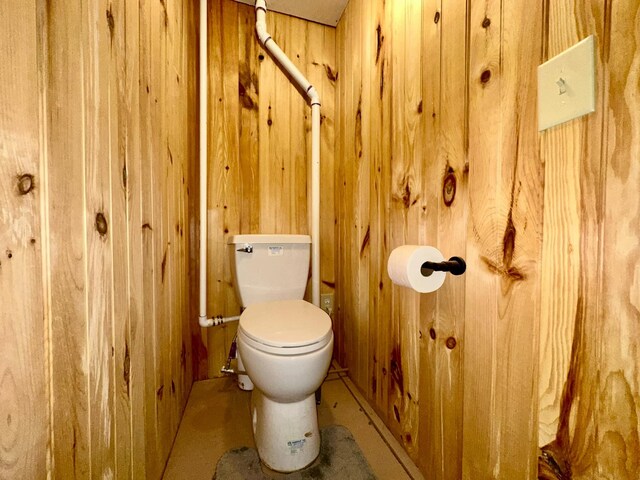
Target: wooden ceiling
327	12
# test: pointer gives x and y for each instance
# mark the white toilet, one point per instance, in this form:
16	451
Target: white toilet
284	343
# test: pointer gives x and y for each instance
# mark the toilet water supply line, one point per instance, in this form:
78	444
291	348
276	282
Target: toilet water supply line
314	100
303	85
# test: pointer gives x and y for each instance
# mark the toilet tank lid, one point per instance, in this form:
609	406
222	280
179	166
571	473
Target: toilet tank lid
286	323
268	238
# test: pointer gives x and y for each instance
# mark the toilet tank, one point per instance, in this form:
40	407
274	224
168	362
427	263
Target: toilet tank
269	267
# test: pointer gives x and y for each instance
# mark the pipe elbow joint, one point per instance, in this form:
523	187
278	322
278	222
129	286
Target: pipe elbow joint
205	322
261	22
314	97
261	31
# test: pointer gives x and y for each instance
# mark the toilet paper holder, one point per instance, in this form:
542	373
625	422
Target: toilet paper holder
455	266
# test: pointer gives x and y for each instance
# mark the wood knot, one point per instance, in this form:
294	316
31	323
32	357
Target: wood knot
331	75
245	99
9	254
449	189
183	355
261	57
379	40
365	241
508	243
111	22
269	122
432	333
126	367
124	176
101	224
25	183
485	76
451	343
436	17
486	22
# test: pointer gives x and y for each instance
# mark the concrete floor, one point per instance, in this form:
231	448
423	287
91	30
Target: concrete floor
217	419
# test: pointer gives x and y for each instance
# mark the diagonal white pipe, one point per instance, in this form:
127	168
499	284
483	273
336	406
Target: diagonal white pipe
314	101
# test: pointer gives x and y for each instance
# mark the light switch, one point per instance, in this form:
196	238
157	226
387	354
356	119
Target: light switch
567	85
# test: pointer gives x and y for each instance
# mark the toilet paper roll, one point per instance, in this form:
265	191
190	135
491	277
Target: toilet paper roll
404	268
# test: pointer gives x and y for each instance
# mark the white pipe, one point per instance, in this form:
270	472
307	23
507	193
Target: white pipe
220	320
281	58
314	100
315	204
203	320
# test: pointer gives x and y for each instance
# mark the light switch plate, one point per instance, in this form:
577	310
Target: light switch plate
567	85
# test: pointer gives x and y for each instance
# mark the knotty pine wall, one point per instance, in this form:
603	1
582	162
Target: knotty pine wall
531	360
260	148
97	142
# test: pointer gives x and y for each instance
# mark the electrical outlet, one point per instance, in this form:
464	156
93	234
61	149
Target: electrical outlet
326	302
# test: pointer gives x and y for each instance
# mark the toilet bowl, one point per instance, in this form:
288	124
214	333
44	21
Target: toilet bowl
286	347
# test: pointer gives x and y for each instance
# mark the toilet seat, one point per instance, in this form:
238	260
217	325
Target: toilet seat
287	327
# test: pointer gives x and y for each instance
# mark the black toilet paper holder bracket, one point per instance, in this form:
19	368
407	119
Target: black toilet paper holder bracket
455	266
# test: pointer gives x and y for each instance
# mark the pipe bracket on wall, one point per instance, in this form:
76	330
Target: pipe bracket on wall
455	266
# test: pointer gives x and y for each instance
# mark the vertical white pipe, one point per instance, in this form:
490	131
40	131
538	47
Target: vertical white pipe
203	163
315	204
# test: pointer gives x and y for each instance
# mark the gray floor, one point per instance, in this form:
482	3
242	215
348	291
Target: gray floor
217	419
340	457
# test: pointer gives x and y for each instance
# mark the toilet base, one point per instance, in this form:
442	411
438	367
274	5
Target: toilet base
286	434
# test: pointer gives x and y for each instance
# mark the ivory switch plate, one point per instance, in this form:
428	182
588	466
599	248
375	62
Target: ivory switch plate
566	85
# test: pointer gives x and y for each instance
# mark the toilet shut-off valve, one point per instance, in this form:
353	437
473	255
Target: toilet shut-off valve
232	355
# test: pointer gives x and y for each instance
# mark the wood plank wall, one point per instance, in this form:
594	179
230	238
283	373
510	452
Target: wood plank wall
529	364
259	149
98	138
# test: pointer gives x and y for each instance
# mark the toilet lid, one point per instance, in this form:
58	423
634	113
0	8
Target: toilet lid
286	324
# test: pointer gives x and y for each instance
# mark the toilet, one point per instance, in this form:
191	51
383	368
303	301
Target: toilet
284	344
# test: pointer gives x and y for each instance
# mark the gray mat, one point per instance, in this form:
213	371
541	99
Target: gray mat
340	457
